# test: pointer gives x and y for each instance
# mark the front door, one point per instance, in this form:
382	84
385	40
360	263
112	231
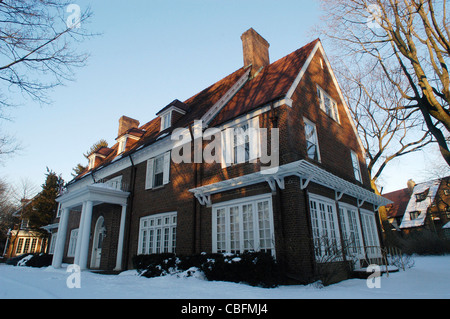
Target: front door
99	235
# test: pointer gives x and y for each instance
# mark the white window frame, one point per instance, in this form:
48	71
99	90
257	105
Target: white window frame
315	137
58	212
325	228
166	120
157	233
332	109
122	145
150	173
241	142
356	166
351	230
20	244
233	235
370	233
91	161
51	249
72	242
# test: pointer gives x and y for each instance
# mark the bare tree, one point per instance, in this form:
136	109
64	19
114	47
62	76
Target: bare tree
410	38
37	40
387	130
24	190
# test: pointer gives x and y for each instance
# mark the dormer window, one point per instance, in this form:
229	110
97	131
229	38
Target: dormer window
91	161
166	120
171	113
127	139
122	144
422	196
98	156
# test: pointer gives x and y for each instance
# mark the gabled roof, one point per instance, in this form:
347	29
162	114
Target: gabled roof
419	205
272	83
400	199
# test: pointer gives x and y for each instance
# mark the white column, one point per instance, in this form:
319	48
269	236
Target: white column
61	238
86	232
80	235
121	237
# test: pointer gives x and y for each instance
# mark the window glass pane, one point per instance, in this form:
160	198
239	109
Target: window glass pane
234	229
247	216
356	168
158	171
311	141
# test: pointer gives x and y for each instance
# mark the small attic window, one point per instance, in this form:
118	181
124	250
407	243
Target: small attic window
422	196
414	215
166	120
91	161
122	145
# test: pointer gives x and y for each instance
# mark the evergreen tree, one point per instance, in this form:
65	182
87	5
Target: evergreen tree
44	206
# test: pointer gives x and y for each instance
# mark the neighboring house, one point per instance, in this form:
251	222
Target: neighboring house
140	197
396	210
423	206
22	239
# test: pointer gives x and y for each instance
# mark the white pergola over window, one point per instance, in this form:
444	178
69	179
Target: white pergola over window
306	171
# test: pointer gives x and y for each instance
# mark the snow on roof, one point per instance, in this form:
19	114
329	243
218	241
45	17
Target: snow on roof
419	205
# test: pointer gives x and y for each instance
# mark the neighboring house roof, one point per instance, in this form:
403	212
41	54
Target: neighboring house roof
400	199
271	84
422	197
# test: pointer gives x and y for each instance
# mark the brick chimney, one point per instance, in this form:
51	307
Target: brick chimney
125	123
256	50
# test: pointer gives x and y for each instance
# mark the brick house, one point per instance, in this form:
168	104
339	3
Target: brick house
22	239
288	170
422	206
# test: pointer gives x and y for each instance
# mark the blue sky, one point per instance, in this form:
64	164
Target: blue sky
150	53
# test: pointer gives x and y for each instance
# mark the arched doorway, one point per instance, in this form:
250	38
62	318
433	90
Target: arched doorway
99	235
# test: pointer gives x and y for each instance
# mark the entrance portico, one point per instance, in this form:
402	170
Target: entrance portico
87	197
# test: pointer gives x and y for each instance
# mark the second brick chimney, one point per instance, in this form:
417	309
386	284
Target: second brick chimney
125	123
256	51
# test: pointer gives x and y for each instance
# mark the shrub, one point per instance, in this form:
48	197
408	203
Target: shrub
425	243
31	260
155	265
253	268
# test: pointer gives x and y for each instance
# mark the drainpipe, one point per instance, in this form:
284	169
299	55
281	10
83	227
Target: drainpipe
130	210
194	230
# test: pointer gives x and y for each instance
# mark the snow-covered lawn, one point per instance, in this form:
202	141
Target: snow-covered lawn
429	278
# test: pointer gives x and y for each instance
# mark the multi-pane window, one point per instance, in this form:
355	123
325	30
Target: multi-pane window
370	233
158	172
51	249
351	230
166	120
157	234
241	143
72	243
19	246
312	142
325	228
356	167
327	104
158	169
243	225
